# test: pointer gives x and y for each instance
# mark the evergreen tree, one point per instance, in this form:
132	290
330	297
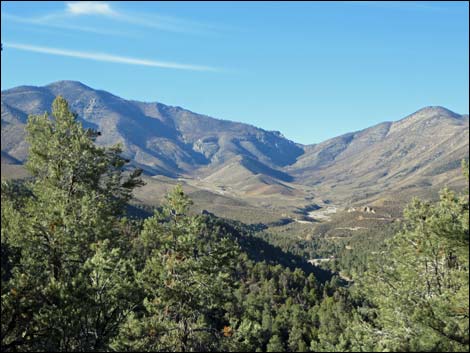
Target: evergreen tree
68	286
187	279
275	345
420	290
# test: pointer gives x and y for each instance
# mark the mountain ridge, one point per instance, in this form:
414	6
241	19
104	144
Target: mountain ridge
175	142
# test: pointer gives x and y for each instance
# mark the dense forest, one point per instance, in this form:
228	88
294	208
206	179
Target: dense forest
80	274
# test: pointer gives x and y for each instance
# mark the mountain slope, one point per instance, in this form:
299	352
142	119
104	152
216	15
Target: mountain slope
421	150
161	139
419	153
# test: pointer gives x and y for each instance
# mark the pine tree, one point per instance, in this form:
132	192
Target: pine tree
420	290
275	345
187	279
70	286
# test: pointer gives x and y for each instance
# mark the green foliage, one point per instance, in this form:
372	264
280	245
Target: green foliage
187	278
465	169
419	292
63	157
67	285
78	275
275	345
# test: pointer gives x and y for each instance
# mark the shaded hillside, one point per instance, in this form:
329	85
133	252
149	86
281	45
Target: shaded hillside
7	159
161	139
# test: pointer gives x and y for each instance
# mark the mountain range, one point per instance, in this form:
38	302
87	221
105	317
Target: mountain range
238	161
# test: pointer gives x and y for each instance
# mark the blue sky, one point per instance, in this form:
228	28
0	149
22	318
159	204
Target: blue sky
310	70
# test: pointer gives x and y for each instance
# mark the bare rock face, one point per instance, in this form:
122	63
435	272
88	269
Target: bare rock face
208	146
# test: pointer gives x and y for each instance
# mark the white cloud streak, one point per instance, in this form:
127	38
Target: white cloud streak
67	19
89	8
108	57
49	21
164	23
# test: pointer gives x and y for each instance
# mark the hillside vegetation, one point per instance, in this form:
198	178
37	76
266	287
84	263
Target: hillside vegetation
80	274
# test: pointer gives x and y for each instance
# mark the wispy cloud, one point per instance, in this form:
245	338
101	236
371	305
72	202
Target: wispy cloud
165	23
89	8
108	57
69	18
47	21
156	21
